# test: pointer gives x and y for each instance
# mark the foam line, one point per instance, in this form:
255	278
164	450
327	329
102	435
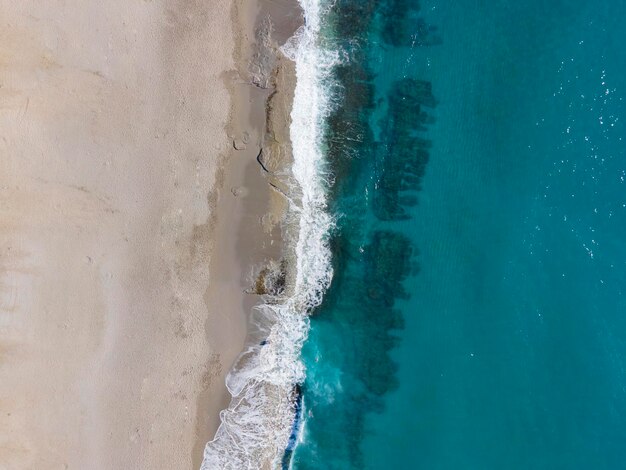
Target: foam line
256	427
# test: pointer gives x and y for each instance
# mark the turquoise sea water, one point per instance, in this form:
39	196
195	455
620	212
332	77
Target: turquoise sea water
476	319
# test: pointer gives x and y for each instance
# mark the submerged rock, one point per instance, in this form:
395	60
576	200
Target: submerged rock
405	27
406	152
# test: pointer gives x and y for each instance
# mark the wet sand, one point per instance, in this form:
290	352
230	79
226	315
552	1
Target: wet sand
251	232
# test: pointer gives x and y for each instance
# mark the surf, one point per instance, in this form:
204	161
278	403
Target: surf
257	427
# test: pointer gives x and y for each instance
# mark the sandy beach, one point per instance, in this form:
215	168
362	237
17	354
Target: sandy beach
115	152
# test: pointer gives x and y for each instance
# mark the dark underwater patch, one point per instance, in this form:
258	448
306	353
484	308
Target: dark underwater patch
402	162
404	26
356	327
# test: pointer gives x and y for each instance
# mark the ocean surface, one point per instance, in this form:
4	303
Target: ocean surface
471	155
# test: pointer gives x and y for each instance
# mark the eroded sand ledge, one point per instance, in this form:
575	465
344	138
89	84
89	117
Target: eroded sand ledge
112	128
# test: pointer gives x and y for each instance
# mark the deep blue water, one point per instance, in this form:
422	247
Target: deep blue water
476	319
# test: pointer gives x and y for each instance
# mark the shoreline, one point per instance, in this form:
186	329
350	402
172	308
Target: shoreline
261	419
147	161
255	180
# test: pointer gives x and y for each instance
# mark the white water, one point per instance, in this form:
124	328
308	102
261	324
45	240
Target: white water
255	427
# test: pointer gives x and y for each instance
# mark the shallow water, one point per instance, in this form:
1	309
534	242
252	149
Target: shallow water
476	317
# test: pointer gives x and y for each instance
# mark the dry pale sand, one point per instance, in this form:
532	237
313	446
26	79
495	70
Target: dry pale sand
112	130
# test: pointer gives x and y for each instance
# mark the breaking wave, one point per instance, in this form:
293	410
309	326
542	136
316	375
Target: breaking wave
255	429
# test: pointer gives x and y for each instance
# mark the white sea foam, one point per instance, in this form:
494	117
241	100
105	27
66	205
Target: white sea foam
255	427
